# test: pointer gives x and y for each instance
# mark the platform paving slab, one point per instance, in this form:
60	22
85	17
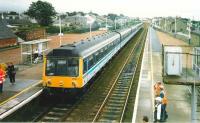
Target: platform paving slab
28	83
144	104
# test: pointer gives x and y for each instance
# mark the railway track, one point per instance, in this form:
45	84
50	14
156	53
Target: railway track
123	87
114	105
78	108
62	112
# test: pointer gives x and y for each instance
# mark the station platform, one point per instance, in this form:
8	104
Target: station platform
14	96
179	100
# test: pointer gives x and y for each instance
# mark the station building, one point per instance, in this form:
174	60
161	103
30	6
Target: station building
7	37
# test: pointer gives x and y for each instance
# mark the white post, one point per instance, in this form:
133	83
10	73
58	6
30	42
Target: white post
189	35
31	53
159	22
2	17
21	53
90	30
193	104
121	23
175	26
60	30
165	25
115	24
198	24
106	23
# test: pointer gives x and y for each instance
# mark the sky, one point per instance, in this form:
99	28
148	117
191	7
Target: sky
132	8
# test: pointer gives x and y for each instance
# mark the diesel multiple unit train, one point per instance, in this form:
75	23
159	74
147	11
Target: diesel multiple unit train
73	65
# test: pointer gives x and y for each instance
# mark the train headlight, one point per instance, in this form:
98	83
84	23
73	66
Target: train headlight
49	82
74	84
61	83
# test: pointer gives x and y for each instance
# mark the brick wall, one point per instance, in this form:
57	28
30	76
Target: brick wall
8	42
35	34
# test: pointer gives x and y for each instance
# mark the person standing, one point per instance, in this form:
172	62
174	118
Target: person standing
2	79
157	88
157	112
145	119
164	115
11	72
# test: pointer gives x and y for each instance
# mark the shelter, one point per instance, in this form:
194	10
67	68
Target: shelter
181	60
33	51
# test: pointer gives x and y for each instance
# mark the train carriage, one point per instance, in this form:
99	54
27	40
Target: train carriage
73	65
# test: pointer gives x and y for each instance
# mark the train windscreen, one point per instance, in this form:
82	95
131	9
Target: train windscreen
62	67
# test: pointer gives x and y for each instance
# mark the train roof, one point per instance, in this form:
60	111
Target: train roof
77	49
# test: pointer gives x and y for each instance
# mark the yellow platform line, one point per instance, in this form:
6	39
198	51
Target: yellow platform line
26	89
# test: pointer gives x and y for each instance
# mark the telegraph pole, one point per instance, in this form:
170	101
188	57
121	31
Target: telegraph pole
175	26
115	23
106	23
165	25
190	31
60	34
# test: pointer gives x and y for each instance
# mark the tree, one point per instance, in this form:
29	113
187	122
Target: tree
112	16
42	12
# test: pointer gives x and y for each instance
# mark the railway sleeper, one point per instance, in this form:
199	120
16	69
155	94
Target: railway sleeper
120	95
48	119
115	104
117	98
113	108
110	116
116	101
118	92
122	87
56	114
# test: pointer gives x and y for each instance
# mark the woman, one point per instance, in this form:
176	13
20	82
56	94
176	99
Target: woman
11	72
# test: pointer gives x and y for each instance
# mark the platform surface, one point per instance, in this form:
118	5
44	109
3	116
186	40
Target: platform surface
179	106
24	87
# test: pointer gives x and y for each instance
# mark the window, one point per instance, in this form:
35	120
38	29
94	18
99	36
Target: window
85	65
97	55
62	67
90	61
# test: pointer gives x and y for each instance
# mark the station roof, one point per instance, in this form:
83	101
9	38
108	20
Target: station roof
36	41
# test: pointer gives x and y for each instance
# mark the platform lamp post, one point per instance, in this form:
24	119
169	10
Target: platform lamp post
106	23
199	30
165	25
115	24
175	26
60	34
189	24
90	21
199	25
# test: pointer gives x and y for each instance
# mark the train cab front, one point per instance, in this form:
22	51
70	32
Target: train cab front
62	74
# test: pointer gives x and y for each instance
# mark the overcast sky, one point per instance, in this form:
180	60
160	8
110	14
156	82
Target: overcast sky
133	8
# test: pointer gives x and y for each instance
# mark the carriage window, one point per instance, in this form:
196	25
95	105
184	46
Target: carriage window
90	62
85	66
